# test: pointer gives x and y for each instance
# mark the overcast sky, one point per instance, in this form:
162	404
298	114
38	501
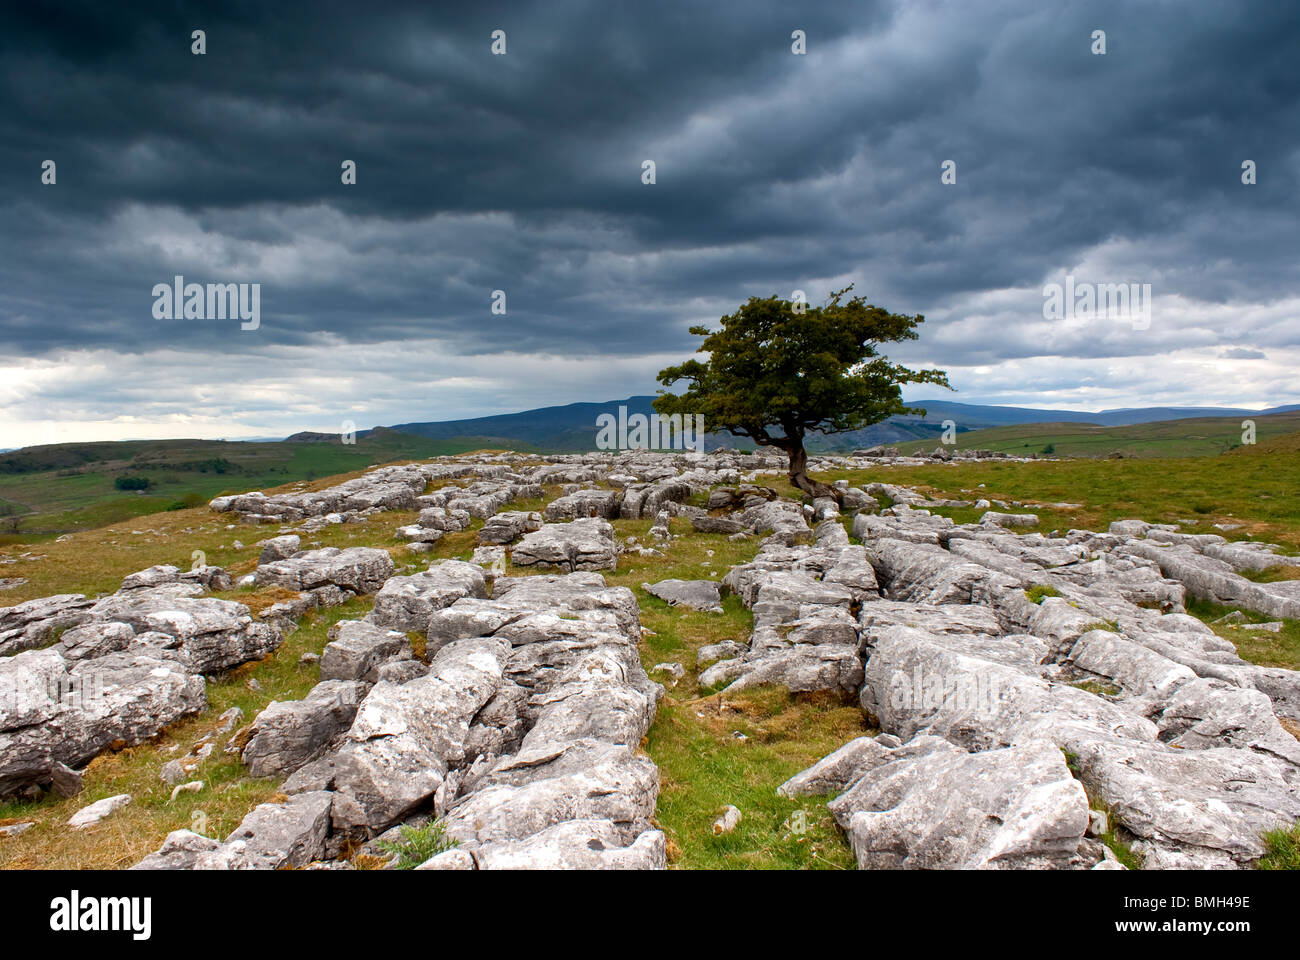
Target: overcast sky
522	172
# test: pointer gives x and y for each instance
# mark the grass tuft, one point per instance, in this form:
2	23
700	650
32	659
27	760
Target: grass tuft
418	844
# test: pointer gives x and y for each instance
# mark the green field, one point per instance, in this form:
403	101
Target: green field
711	749
51	490
1166	438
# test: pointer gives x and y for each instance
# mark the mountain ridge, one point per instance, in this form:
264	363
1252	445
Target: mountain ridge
571	428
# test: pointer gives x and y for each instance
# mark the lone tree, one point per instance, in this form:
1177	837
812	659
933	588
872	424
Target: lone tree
777	370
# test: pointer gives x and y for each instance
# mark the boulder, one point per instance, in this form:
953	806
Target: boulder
54	713
580	545
97	811
583	503
357	649
508	526
359	569
405	603
287	734
1012	808
696	594
279	548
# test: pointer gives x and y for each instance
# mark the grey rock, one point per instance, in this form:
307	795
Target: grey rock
358	569
996	519
180	851
279	548
578	845
288	734
703	523
406	738
275	835
358	648
580	545
696	594
36	622
1014	807
91	815
53	712
508	526
152	577
405	603
584	503
837	771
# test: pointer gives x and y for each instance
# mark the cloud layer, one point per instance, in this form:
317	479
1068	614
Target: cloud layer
522	173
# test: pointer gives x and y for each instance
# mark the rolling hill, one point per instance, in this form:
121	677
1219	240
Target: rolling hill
571	428
49	490
1197	436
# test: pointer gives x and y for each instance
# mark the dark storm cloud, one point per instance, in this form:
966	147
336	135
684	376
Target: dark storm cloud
522	172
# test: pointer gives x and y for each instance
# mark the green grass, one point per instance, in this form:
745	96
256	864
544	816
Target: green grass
1251	486
1283	849
704	767
47	491
1100	688
418	844
1118	840
1202	436
1040	591
704	764
1273	574
1281	649
228	793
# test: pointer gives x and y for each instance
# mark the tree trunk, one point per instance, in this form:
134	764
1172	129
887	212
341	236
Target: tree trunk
799	475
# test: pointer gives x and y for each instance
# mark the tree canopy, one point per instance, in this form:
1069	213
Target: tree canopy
778	370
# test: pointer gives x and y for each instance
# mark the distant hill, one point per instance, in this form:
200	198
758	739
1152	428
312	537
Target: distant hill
52	489
1190	437
572	428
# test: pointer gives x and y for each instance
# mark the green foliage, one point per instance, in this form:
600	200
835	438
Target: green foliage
131	483
1283	849
1117	839
189	501
418	844
1100	688
774	374
1039	591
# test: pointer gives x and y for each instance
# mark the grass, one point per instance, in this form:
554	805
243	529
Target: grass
50	490
1281	649
1201	436
1273	574
418	844
1251	486
704	766
1100	688
228	794
712	749
1040	591
1283	849
1118	840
